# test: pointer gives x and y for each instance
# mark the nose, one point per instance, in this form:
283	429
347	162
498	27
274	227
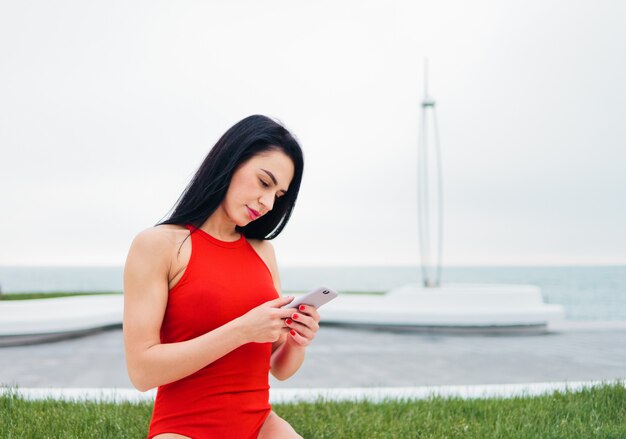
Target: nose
267	201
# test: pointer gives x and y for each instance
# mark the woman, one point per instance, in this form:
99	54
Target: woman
203	317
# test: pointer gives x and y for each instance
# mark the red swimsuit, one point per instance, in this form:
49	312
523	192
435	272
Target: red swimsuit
228	398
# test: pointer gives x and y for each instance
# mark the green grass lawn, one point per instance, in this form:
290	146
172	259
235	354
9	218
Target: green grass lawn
598	412
26	296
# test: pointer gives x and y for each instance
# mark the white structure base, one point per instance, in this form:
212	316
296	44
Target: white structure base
39	319
452	305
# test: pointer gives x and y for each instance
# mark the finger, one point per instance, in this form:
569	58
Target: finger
309	310
285	313
280	302
302	341
305	320
302	329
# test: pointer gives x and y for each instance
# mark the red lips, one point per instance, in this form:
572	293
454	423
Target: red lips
253	213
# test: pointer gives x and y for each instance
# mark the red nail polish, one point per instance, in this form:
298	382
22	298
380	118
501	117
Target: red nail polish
288	321
301	307
295	316
292	332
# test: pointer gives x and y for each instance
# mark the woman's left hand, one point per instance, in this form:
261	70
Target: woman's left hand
304	324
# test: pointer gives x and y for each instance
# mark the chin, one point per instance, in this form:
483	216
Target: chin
242	223
245	222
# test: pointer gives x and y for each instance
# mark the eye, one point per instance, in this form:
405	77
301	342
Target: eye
264	184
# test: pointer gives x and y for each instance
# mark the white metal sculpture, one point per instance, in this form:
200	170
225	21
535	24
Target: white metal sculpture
429	191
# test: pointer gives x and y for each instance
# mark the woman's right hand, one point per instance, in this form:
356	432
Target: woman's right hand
266	322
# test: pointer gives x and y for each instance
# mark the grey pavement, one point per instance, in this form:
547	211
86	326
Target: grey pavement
358	357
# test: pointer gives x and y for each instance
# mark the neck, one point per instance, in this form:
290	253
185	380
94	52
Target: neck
220	226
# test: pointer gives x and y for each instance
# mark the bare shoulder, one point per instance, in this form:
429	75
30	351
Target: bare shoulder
149	239
156	245
265	250
161	235
262	244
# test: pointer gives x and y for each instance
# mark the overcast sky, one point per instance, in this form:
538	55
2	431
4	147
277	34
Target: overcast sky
107	109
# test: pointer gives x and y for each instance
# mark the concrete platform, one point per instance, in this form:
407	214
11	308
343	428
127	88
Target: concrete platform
342	357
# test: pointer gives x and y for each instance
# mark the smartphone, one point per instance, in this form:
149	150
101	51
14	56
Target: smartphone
316	298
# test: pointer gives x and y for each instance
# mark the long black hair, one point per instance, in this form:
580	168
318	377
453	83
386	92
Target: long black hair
247	138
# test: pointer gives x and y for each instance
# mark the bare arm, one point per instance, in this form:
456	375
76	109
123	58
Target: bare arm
151	363
289	350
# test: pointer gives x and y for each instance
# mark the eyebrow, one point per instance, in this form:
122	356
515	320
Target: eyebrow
273	179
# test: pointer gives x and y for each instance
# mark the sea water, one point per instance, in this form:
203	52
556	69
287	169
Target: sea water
586	292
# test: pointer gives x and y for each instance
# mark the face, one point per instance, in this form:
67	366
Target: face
256	185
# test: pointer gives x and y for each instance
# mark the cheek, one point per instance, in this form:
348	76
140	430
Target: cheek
241	191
